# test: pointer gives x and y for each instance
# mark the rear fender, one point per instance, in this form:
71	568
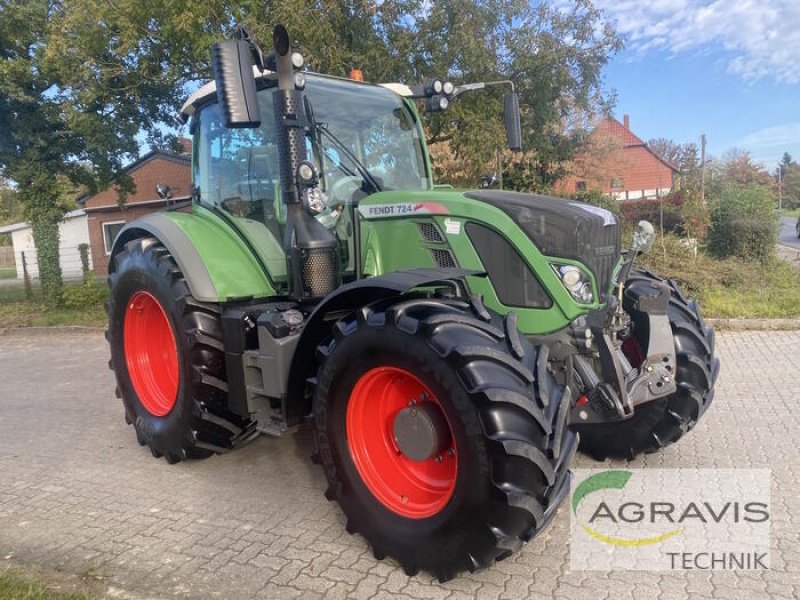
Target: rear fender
216	263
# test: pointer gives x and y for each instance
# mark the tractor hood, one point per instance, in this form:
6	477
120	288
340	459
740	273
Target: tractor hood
559	228
563	228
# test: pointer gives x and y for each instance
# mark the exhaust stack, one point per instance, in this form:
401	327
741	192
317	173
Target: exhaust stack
312	260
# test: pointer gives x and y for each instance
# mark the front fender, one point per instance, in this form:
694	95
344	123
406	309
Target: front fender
345	300
216	263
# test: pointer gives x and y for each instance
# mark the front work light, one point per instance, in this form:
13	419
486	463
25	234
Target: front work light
576	281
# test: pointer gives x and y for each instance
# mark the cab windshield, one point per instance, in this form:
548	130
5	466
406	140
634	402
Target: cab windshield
376	128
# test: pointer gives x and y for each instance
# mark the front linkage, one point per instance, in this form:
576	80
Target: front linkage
643	368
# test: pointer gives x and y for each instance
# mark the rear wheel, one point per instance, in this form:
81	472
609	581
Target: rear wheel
661	422
441	432
167	354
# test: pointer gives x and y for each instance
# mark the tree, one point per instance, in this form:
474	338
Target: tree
10	208
554	56
787	177
75	92
739	168
684	156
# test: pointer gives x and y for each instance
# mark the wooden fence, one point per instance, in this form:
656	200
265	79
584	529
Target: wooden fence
6	256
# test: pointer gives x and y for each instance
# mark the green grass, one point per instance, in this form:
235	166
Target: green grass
794	212
729	288
15	586
8	272
83	305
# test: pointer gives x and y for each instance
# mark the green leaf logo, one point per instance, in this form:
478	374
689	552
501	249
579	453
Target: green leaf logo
612	480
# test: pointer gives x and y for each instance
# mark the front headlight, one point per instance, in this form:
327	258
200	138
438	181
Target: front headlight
577	282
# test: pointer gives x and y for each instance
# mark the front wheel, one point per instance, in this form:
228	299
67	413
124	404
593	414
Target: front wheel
661	422
443	438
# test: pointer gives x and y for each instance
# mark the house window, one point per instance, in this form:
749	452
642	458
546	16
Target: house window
616	184
110	232
580	186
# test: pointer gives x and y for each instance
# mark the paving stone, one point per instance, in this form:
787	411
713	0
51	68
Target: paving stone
79	494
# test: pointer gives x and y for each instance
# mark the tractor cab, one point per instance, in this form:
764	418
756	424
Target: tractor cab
360	138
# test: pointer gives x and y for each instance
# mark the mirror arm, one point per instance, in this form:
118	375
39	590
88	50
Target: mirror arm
471	87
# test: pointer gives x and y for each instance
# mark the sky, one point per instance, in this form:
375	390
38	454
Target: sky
726	68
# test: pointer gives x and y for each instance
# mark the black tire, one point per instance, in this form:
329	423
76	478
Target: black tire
507	415
662	422
198	425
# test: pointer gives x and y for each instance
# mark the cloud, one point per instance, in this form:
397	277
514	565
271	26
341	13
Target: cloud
762	39
773	137
769	144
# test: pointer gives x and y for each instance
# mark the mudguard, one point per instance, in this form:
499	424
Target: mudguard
217	264
344	300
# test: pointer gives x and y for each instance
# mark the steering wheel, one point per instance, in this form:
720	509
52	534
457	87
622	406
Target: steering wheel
342	190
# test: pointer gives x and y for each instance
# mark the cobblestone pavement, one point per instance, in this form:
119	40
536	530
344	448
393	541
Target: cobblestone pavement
79	495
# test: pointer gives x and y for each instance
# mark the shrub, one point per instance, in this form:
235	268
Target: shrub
730	287
85	296
634	211
744	224
600	199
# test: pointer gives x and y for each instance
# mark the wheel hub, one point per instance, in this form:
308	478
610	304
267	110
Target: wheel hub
421	431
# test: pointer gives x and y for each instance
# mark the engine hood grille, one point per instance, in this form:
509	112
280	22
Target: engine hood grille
563	228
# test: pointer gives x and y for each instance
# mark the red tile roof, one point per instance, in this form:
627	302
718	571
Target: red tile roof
628	161
614	128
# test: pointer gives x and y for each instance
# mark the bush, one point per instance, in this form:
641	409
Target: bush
634	211
744	224
730	287
600	199
86	296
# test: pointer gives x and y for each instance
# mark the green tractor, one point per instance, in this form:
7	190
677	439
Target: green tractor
447	346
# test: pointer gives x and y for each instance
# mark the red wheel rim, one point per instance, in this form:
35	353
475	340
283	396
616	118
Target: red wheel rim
413	489
151	354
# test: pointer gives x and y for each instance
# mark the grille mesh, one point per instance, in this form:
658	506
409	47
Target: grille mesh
443	258
430	233
320	276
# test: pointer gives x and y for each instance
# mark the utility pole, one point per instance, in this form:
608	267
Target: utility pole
780	187
500	168
703	169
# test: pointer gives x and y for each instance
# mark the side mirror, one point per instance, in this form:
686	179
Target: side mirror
236	85
643	237
488	180
164	191
512	121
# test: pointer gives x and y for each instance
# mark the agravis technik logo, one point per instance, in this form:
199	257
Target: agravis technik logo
657	519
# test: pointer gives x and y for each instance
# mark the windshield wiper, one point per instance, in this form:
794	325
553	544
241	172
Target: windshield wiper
362	170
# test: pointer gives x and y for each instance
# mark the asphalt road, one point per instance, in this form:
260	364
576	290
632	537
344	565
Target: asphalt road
79	495
787	235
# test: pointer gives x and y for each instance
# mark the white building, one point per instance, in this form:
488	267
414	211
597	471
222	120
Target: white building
73	231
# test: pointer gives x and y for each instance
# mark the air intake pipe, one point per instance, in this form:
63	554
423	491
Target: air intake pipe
311	249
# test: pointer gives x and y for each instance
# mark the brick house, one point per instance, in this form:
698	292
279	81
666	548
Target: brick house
106	218
618	163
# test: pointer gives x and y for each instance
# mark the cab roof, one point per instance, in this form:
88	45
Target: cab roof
209	90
